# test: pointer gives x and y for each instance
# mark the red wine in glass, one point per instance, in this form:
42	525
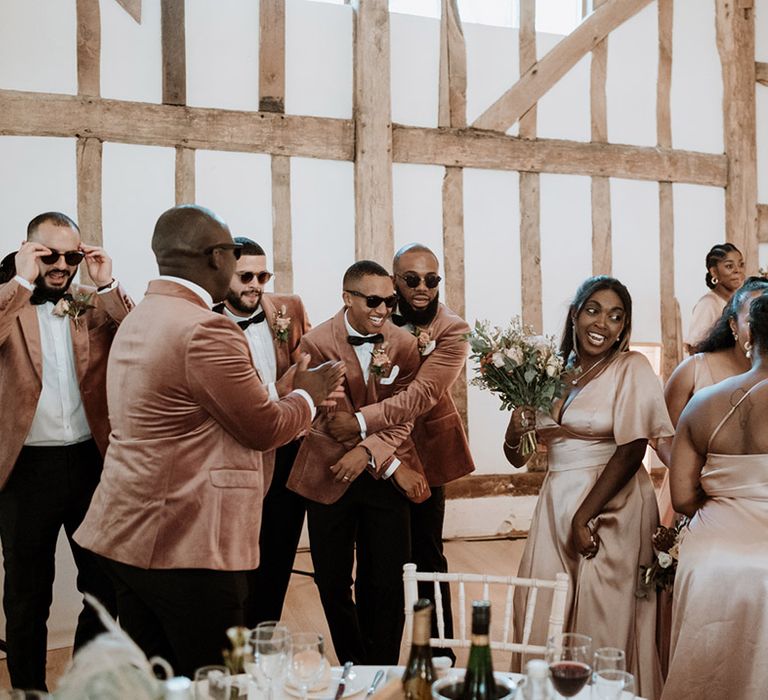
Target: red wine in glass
569	677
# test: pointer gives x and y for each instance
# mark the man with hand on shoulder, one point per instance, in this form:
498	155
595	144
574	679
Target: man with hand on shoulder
438	432
176	515
273	325
54	340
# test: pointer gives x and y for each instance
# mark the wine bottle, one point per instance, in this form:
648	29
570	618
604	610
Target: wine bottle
478	681
419	671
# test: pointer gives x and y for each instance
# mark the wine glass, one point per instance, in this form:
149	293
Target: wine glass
271	645
569	656
613	684
213	683
308	662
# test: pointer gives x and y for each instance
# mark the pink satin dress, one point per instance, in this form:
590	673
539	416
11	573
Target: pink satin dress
720	615
622	404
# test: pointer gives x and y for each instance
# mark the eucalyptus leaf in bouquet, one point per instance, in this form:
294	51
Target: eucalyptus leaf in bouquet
519	366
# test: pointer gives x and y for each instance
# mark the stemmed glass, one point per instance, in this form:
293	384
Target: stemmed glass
569	656
613	684
271	645
308	663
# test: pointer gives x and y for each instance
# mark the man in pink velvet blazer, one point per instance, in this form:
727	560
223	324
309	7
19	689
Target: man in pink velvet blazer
176	515
273	324
54	427
355	508
438	432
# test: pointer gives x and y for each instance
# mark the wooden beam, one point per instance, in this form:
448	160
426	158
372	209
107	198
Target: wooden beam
373	132
272	56
88	164
41	114
174	52
282	244
452	104
602	258
761	73
470	148
671	344
536	81
736	45
133	8
762	223
527	55
88	48
185	175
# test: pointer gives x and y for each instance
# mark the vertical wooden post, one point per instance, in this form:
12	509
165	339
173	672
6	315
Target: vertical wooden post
530	204
88	150
373	132
736	44
671	341
272	99
452	111
602	258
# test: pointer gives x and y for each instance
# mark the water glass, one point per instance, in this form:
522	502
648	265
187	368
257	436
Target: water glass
613	684
608	659
308	663
213	683
271	644
569	657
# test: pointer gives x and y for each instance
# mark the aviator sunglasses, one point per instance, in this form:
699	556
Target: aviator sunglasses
373	301
261	277
71	257
431	280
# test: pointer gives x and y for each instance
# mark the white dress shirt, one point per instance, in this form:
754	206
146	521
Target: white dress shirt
60	416
363	353
262	345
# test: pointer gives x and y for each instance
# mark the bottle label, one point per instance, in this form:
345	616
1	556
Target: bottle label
421	625
480	640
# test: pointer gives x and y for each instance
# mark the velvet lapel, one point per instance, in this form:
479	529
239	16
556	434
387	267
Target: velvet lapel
354	376
30	329
282	354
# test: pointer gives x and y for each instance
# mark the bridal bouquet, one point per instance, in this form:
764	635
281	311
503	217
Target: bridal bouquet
666	545
523	369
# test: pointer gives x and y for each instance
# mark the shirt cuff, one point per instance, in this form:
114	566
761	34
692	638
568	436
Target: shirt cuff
308	399
392	468
104	290
363	426
25	283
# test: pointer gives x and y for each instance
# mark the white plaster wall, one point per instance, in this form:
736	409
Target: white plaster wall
222	58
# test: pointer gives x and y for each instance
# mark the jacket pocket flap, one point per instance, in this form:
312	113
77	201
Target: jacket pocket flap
236	478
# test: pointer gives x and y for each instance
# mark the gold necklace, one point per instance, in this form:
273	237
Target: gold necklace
581	376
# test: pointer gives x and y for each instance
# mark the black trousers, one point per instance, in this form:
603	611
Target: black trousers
181	615
49	488
281	521
373	519
427	553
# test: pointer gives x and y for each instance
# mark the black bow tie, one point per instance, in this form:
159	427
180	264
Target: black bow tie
258	318
398	320
42	295
363	339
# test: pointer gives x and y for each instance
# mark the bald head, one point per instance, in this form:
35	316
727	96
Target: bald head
181	236
408	250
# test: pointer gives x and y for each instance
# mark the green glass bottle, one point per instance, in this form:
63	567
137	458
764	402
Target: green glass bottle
419	671
478	681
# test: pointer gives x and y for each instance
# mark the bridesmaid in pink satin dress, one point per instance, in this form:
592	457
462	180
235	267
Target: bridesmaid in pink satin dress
597	508
719	476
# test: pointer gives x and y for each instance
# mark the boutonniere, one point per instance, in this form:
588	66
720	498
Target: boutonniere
424	340
73	306
380	362
282	325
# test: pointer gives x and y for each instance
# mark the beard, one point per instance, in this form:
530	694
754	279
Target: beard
418	317
237	302
48	293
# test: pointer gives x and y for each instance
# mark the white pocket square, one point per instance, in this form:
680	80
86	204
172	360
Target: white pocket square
392	375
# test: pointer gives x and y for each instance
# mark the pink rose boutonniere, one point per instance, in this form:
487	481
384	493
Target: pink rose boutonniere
424	340
73	306
380	362
282	325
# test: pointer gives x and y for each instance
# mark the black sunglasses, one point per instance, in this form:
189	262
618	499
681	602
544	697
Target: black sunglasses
431	280
236	248
261	277
71	257
373	301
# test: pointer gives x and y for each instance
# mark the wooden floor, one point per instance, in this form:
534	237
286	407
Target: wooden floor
303	611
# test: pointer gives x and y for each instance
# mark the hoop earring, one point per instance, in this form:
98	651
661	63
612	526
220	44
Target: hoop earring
748	350
575	340
715	281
